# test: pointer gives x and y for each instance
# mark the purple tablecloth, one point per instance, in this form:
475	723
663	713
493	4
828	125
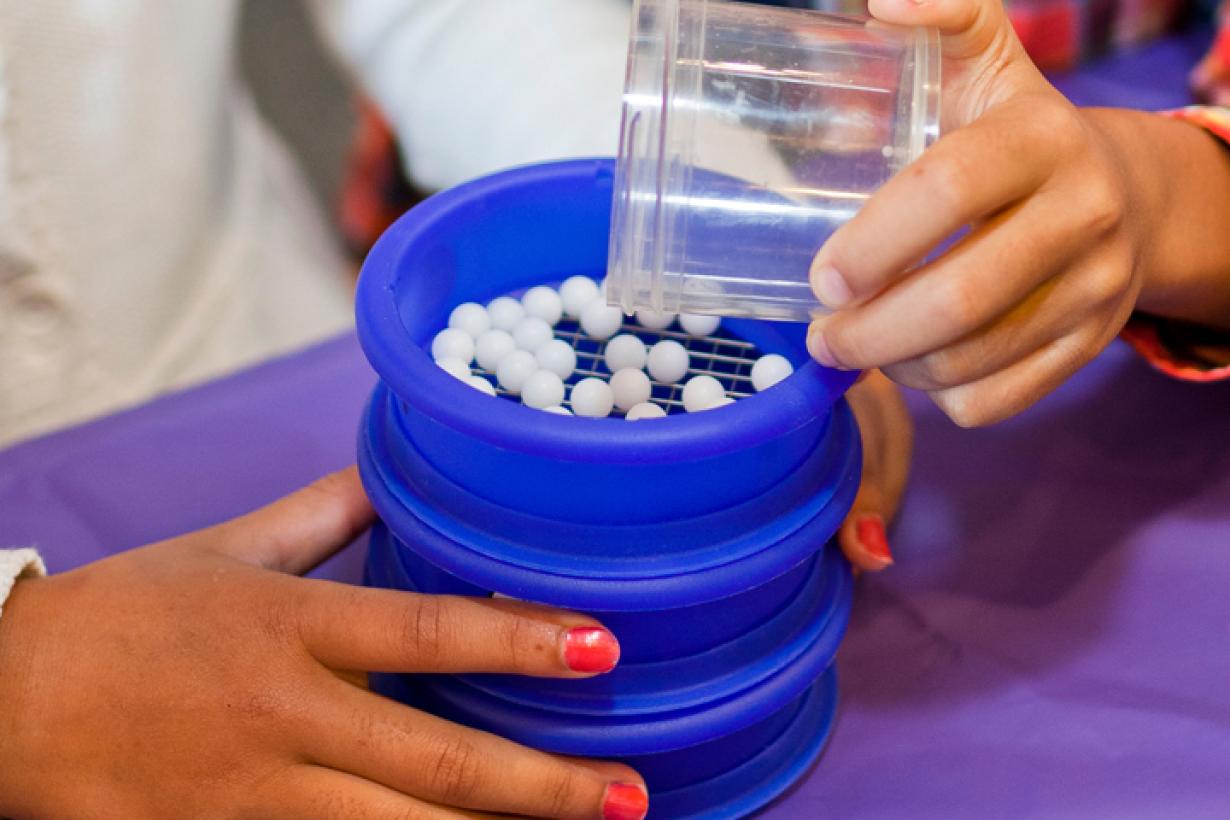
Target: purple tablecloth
1054	640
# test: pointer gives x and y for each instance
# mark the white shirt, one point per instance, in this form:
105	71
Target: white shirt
155	233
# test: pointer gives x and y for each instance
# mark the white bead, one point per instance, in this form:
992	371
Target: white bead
769	370
455	368
452	343
652	320
542	389
470	317
702	393
557	410
532	332
492	347
645	410
505	313
630	387
514	369
558	357
482	385
593	398
668	361
544	303
625	350
576	293
699	326
601	321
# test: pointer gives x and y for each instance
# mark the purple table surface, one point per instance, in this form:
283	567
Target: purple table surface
1054	640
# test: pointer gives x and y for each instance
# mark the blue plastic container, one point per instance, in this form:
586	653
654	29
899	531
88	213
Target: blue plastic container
698	539
800	619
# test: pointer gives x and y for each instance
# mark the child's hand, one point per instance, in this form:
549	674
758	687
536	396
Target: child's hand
194	678
888	440
1049	271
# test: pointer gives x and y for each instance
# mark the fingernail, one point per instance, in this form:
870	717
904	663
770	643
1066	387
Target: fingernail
818	348
625	801
869	529
831	288
590	649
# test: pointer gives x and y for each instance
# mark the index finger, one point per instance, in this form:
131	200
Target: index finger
380	630
967	175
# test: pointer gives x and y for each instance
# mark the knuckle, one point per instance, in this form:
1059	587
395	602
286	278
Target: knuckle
1106	285
455	771
516	641
941	369
965	408
422	630
845	346
1102	206
949	181
561	794
961	305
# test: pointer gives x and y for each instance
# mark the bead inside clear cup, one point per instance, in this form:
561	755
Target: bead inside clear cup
749	135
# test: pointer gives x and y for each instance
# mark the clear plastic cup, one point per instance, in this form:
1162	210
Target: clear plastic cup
749	135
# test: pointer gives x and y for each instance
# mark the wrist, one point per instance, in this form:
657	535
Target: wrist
1178	188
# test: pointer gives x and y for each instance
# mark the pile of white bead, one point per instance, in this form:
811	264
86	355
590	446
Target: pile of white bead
515	341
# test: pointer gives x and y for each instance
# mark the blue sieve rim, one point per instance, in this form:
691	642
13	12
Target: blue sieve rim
399	360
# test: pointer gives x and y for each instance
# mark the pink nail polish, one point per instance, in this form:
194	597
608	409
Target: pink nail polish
590	649
831	288
625	801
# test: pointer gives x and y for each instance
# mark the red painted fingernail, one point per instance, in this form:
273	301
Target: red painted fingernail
819	349
590	649
869	529
625	801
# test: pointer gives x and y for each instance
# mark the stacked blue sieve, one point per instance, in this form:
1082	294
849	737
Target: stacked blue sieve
700	540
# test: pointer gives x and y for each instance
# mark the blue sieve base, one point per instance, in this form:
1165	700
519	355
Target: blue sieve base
562	547
684	681
571	589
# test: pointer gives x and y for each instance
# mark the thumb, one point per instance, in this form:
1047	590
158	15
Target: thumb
297	532
863	536
888	439
970	28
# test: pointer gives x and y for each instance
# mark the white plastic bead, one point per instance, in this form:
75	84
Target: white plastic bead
557	410
769	370
702	393
601	321
699	326
593	398
470	317
625	350
482	385
515	369
558	357
652	320
505	312
544	303
542	389
452	343
668	361
455	368
532	332
630	387
492	347
576	293
645	410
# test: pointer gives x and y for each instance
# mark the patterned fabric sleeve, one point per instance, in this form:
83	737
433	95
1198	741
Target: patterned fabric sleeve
1183	350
